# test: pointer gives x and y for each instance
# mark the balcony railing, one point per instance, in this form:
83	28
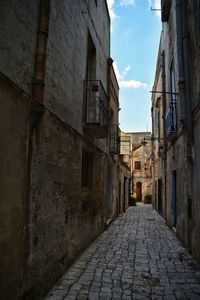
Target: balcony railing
165	10
171	121
96	110
114	139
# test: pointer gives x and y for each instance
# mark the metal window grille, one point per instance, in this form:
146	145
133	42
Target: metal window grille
114	139
96	103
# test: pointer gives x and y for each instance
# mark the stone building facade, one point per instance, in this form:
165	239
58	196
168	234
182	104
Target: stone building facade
120	173
158	156
55	83
178	80
118	185
141	166
136	153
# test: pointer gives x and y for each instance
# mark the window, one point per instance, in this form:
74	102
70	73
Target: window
158	123
87	169
173	95
91	59
171	117
137	165
172	83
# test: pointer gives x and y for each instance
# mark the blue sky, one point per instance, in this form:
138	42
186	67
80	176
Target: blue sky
134	46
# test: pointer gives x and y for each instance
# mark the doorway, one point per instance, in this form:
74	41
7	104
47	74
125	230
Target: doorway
160	195
174	199
139	191
125	193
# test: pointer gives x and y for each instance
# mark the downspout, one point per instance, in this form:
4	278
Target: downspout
41	49
164	129
181	71
37	110
184	73
109	66
185	38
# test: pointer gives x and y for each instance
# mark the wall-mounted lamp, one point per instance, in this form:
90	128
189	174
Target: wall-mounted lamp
162	92
153	138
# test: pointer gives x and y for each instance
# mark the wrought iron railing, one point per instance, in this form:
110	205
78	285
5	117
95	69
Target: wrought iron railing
96	110
171	119
114	139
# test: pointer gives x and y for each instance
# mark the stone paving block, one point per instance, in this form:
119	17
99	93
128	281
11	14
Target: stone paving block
105	296
117	295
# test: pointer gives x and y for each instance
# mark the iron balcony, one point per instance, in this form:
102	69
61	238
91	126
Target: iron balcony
114	139
171	121
96	109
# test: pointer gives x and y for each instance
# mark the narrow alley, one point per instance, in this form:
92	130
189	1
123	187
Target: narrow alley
137	257
100	155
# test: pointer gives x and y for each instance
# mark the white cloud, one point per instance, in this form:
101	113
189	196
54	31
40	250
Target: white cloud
156	5
111	10
125	71
127	2
128	84
132	84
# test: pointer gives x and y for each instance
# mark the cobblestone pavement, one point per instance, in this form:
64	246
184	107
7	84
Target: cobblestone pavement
137	257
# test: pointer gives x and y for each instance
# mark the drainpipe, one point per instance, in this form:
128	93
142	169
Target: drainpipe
153	154
40	59
181	71
184	73
109	66
185	38
164	128
37	110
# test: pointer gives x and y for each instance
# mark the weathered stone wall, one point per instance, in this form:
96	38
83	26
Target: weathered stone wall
196	205
64	217
67	55
18	31
14	119
18	34
47	216
194	39
183	151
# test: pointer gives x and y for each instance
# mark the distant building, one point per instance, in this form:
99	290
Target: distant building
141	166
158	135
136	153
119	173
176	121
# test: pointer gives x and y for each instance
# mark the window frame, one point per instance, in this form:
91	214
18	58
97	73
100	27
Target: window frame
137	162
87	169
